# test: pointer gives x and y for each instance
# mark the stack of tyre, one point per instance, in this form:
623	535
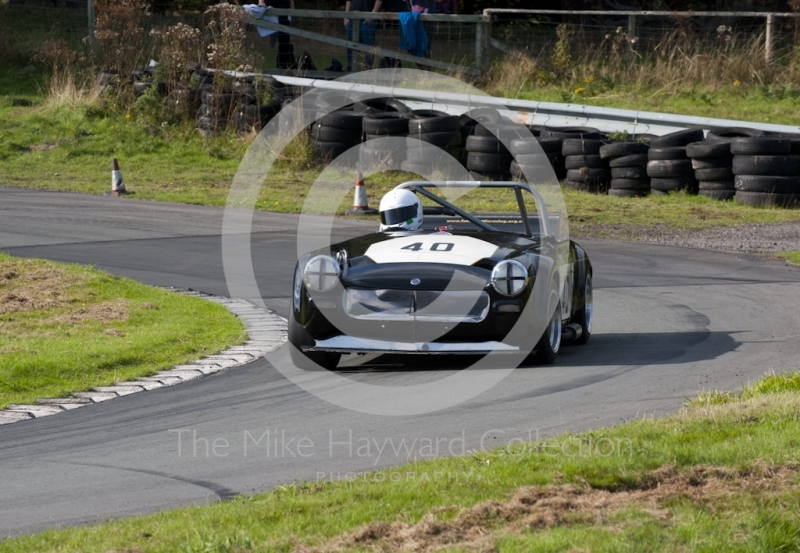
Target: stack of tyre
336	132
628	164
250	113
669	166
712	163
586	170
767	171
383	118
488	158
563	133
436	128
216	107
529	158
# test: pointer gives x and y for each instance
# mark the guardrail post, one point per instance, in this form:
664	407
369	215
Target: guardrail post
482	39
769	40
90	14
631	26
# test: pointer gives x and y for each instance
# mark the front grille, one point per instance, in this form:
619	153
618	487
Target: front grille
469	306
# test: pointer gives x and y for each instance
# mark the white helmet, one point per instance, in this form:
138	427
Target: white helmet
400	209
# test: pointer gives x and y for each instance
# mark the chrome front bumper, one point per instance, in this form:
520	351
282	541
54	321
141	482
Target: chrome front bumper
348	344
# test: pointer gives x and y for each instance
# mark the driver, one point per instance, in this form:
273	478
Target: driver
400	210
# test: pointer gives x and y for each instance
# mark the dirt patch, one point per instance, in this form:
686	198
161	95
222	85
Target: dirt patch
42	147
536	507
28	285
106	312
761	238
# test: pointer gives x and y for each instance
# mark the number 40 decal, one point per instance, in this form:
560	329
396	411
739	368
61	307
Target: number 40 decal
435	247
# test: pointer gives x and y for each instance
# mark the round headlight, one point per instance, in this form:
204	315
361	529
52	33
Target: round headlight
509	277
321	273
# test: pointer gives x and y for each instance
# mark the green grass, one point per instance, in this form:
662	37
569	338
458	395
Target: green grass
791	257
67	328
713	477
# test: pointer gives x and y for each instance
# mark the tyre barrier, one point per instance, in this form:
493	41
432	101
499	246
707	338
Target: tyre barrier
628	164
766	171
669	167
384	124
585	169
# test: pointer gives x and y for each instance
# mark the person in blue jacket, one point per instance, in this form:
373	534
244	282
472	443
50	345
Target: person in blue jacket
366	28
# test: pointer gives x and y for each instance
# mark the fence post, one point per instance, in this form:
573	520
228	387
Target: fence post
769	39
631	26
482	38
90	14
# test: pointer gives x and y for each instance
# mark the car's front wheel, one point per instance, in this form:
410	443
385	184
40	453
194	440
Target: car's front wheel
308	360
585	316
550	342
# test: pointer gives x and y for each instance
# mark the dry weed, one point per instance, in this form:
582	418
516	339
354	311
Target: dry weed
536	507
29	286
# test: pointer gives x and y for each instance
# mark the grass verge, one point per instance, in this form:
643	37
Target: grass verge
791	257
67	328
722	474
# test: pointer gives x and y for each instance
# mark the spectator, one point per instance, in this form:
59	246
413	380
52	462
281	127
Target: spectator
285	49
366	29
446	6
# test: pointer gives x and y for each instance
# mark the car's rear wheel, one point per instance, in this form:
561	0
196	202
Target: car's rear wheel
550	342
585	315
308	360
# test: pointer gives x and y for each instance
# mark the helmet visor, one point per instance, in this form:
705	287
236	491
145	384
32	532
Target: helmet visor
399	215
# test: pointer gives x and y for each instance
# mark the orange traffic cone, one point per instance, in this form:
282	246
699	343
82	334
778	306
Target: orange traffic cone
360	206
117	184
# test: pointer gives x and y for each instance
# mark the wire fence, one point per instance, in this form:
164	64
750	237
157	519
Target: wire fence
24	27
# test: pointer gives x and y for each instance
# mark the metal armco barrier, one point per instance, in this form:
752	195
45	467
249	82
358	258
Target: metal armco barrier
548	114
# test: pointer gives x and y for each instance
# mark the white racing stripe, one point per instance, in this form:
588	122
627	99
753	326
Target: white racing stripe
431	248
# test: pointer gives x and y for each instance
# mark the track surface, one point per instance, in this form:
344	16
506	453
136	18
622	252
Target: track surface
670	323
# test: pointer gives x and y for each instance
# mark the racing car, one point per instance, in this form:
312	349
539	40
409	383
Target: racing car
437	279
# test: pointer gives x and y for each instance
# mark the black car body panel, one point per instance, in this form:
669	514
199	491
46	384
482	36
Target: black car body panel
431	291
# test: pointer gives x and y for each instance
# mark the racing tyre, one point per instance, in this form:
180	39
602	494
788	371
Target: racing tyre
720	173
633	160
628	192
673	184
622	149
330	150
385	124
767	199
630	184
324	133
669	168
678	138
762	183
777	165
709	149
585	315
716	185
309	360
510	132
712	163
676	152
592	161
639	172
719	195
488	163
762	145
550	343
486	144
432	121
586	174
716	133
581	146
381	105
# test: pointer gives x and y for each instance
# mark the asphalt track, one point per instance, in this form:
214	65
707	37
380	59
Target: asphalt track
670	323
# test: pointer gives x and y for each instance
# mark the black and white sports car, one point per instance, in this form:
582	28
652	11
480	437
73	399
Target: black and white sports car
462	284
